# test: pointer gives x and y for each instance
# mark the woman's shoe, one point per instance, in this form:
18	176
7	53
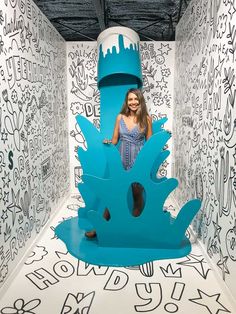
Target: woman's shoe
136	212
91	234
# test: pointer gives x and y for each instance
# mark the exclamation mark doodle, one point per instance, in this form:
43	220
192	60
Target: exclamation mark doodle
176	295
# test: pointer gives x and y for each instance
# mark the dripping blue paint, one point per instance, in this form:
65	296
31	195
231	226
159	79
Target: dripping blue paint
124	239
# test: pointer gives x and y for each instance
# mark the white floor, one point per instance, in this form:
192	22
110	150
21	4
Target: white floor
52	282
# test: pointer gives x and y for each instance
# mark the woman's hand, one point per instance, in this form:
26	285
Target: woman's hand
106	141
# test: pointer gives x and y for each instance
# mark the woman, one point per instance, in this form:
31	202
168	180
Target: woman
132	127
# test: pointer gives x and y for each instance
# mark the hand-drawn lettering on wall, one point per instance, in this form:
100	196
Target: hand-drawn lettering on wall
33	124
205	71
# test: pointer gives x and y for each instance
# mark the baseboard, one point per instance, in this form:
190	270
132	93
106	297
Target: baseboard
212	265
20	264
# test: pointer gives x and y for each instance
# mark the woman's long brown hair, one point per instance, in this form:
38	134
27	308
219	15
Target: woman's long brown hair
141	112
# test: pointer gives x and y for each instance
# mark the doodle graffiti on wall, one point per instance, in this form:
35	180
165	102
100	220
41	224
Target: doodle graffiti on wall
205	94
33	153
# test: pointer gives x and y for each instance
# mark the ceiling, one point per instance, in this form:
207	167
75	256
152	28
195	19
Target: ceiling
83	20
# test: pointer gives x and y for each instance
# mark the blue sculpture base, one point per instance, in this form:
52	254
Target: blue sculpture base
72	234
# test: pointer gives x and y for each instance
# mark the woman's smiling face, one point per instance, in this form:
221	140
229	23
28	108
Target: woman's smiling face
133	102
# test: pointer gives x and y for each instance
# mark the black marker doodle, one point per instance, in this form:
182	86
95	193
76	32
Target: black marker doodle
77	176
1	17
228	85
211	77
176	295
1	45
117	281
198	263
222	264
14	207
221	26
162	84
63	269
4	136
21	306
96	92
76	108
7	235
63	254
6	179
222	176
164	49
5	257
232	10
4	215
2	162
149	70
41	278
91	110
78	136
207	300
6	197
10	156
231	242
151	293
80	303
84	269
218	229
25	202
14	122
78	72
169	272
147	269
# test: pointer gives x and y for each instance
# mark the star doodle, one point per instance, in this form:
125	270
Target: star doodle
164	49
162	84
4	215
34	172
218	68
4	136
209	159
232	9
6	179
217	229
6	197
222	264
197	262
211	302
14	207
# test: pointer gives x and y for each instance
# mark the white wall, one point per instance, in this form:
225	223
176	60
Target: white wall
204	139
83	95
34	163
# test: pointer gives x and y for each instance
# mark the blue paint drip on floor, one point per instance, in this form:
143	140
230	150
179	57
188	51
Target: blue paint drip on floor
89	251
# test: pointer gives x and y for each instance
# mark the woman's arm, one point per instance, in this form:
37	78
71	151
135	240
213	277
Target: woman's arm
149	127
116	132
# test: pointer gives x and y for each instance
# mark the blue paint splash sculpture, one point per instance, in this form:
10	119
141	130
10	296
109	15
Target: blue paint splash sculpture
124	240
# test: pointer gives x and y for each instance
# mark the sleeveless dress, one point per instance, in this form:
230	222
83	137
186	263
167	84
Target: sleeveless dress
131	142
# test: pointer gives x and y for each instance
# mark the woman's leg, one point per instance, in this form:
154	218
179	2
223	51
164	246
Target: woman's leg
92	233
137	190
